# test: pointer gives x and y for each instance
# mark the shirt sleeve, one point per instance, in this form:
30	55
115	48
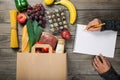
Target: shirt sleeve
110	75
111	25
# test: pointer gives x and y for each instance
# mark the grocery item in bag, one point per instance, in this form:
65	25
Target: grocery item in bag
50	39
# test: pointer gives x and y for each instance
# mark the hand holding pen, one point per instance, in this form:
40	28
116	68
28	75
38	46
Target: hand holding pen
94	25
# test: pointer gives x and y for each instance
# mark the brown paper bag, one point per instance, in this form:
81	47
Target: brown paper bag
43	66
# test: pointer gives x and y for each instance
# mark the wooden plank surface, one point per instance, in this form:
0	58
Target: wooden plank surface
79	65
80	4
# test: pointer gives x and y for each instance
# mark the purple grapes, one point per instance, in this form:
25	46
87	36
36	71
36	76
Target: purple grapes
37	12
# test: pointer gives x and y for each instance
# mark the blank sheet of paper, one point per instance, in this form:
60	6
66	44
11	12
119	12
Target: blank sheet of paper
94	43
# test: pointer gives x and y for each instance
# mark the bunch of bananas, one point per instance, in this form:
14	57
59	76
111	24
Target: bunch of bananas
70	7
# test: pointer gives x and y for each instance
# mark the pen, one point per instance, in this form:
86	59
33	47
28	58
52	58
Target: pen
96	26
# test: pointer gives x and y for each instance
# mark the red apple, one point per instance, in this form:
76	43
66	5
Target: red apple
65	34
21	18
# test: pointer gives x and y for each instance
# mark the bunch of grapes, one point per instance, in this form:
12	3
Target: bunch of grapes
37	13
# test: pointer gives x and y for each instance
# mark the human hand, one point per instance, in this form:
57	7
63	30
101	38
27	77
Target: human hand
93	23
101	64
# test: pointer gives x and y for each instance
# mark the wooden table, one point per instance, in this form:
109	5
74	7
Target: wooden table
79	65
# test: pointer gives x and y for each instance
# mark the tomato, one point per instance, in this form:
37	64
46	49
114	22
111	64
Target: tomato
42	50
45	50
65	34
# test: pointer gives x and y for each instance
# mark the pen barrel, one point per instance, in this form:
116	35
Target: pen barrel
13	35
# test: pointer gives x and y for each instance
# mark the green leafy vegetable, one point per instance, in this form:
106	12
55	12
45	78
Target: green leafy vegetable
34	32
30	33
37	30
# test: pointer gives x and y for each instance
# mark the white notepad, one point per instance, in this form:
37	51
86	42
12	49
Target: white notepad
94	43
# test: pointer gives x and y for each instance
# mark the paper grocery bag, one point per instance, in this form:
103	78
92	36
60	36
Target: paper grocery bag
43	66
